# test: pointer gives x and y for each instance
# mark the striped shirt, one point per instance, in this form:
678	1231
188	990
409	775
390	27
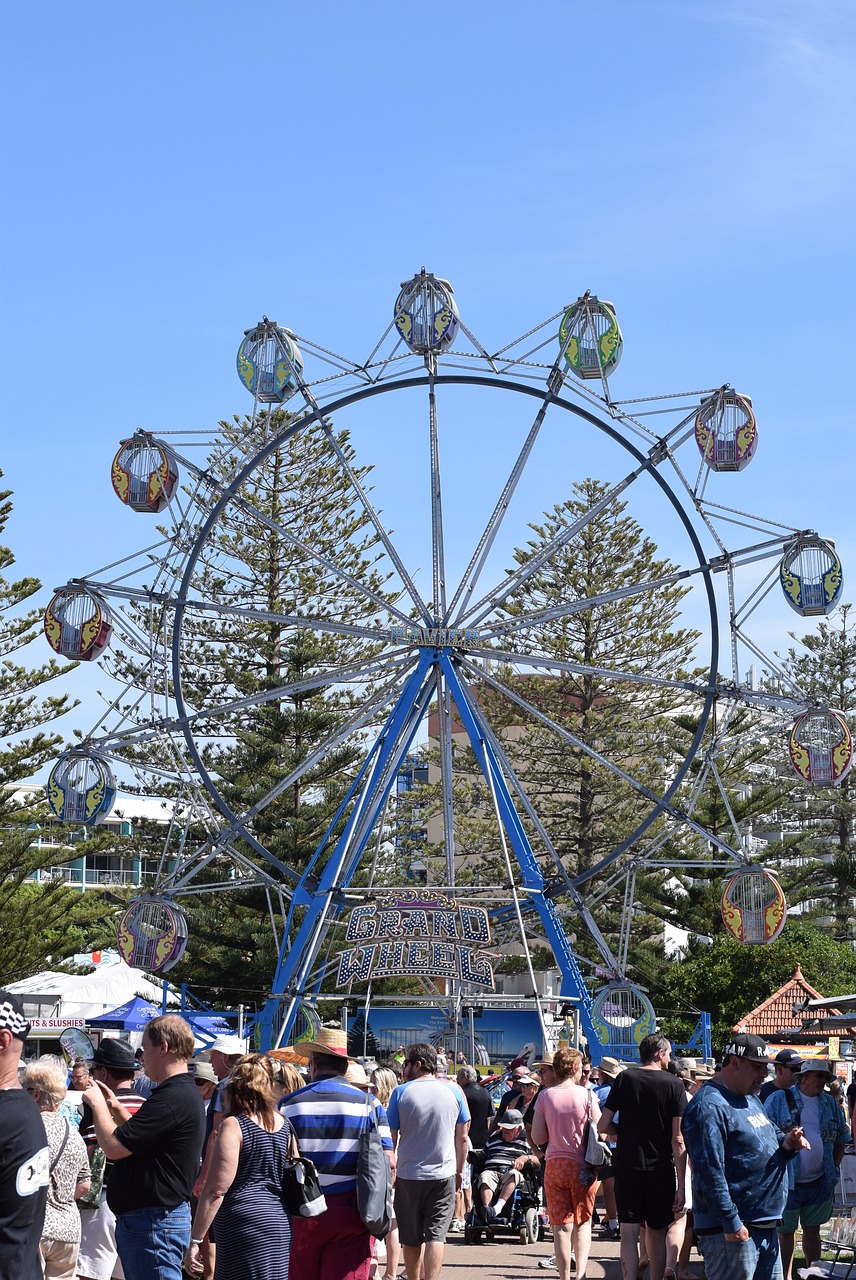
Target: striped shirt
500	1153
328	1117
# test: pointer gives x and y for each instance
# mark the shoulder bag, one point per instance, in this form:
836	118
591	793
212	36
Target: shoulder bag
595	1150
302	1196
373	1180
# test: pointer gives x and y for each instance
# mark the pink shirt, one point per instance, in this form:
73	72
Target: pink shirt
564	1111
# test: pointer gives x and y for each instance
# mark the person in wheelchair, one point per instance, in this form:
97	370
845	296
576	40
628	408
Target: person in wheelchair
505	1161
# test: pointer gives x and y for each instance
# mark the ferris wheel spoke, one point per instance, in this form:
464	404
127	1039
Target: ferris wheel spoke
580	669
338	573
397	661
470	578
340	735
527	621
438	550
383	535
660	805
297	621
483	608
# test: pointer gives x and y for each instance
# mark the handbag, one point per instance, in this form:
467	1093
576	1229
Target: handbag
373	1179
595	1150
97	1167
302	1196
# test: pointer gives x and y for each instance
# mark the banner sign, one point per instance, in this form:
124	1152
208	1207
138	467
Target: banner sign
417	934
55	1024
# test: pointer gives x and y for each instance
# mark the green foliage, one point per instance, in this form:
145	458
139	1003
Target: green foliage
48	919
728	980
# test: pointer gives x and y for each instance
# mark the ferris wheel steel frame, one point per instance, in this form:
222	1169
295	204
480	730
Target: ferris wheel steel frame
436	666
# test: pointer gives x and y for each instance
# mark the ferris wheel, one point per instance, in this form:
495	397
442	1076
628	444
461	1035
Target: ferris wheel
442	606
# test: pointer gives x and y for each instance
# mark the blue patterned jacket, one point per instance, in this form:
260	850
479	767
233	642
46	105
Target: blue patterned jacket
785	1105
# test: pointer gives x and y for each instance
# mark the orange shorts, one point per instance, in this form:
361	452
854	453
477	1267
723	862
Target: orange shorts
567	1199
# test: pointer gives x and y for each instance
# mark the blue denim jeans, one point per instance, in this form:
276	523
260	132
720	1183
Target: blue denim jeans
152	1242
754	1259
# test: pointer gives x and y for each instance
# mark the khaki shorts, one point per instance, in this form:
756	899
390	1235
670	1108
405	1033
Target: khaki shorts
424	1209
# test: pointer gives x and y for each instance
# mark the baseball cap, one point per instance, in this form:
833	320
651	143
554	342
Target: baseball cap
511	1120
749	1048
789	1058
12	1017
230	1046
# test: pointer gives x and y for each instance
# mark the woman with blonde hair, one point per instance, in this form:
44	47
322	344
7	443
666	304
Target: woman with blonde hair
570	1185
69	1172
383	1081
286	1079
243	1188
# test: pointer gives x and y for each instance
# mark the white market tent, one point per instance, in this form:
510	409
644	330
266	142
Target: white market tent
65	995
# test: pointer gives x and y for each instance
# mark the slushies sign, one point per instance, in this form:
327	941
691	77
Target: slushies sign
417	934
439	637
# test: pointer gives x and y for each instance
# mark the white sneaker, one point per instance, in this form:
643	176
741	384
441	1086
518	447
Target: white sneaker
456	1225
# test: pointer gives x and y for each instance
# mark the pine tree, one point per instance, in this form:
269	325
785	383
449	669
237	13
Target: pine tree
821	819
39	920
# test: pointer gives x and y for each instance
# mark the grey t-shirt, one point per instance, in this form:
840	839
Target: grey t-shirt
425	1112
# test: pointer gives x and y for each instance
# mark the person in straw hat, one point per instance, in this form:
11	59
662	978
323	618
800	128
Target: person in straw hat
328	1116
608	1070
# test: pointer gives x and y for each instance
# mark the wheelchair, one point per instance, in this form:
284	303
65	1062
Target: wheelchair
522	1216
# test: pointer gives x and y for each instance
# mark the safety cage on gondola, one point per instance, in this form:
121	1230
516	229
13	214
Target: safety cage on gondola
270	364
590	338
726	431
811	576
144	475
622	1015
425	313
753	906
152	934
81	787
820	746
77	624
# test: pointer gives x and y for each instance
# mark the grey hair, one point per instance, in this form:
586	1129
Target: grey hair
468	1074
49	1080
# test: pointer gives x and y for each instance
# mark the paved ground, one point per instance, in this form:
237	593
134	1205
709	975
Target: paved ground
506	1259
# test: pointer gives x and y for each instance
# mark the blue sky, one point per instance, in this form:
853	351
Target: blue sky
173	171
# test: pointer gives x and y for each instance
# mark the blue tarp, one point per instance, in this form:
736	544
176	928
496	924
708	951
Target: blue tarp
134	1014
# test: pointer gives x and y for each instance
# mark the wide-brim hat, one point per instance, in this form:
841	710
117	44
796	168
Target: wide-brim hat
356	1075
546	1061
819	1065
610	1067
204	1071
331	1040
703	1072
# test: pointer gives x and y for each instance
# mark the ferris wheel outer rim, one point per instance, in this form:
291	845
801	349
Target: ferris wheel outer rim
357	396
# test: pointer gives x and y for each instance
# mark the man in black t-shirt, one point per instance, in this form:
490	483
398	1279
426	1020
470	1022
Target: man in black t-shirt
479	1102
156	1154
650	1157
24	1155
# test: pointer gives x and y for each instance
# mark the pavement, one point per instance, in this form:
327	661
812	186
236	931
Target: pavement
507	1259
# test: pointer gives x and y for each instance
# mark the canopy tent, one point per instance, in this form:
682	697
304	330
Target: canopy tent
73	995
130	1016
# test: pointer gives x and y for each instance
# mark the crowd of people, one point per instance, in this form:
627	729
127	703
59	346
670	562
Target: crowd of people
176	1164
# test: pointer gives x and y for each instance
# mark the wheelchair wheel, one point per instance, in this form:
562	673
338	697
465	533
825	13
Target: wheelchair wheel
530	1233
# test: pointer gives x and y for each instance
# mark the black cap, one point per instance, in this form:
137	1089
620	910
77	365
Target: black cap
12	1016
789	1058
749	1048
116	1055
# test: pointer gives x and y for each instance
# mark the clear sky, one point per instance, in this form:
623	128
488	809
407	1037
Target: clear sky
171	171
